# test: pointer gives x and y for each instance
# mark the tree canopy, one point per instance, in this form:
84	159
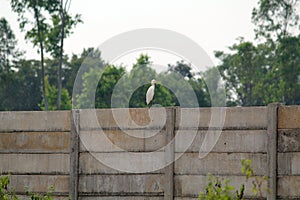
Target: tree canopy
254	73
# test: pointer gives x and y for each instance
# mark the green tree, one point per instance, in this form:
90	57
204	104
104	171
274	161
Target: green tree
242	73
104	81
182	91
62	25
21	89
51	92
201	92
106	85
7	90
19	78
27	94
9	55
89	73
262	74
275	19
71	68
212	90
37	32
138	83
287	62
131	88
185	87
52	24
181	67
8	51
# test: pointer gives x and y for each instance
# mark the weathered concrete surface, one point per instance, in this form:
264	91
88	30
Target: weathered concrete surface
192	185
289	163
122	184
34	163
39	142
289	140
219	163
35	121
288	117
64	196
229	141
40	183
288	186
272	149
169	155
121	162
118	140
123	118
35	142
236	118
122	198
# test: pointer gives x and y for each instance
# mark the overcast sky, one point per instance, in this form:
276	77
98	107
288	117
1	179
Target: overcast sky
213	24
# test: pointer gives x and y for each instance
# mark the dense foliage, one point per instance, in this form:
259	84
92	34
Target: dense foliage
254	73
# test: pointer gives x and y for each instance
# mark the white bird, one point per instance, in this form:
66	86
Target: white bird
150	92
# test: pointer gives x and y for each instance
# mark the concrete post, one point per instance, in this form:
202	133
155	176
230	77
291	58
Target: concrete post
272	150
74	154
169	154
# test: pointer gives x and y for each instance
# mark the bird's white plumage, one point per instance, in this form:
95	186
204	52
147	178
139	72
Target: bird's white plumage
150	92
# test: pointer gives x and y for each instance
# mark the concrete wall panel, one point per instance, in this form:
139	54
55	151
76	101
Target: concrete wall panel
35	121
288	117
35	142
34	163
40	183
253	141
219	163
121	184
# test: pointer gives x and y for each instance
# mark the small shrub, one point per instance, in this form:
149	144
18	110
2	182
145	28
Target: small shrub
5	193
257	183
8	194
217	190
47	196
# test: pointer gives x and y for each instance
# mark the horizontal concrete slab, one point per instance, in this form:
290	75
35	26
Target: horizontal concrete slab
40	183
225	141
121	184
235	118
219	163
121	162
118	140
62	196
192	185
132	118
35	142
35	163
289	163
91	164
288	117
289	140
288	186
35	121
122	198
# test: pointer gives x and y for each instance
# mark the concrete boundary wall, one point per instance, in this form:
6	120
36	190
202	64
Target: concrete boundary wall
35	150
76	151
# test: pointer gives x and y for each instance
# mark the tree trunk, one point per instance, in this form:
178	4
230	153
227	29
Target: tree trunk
59	72
36	15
